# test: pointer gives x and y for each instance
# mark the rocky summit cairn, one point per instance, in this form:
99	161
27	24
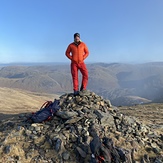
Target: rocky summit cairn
66	137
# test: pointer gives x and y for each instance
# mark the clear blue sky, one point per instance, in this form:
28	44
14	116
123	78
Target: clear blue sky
114	30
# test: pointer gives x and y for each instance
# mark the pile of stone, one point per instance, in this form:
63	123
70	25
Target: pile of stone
66	137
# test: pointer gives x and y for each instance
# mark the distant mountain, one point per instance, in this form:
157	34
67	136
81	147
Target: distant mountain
32	64
114	81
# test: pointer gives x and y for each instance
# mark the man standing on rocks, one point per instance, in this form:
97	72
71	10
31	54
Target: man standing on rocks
77	52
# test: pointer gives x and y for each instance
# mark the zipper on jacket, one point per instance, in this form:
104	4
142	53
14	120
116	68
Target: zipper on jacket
78	53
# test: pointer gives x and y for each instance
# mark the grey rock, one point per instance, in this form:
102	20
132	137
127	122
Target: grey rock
65	155
73	120
58	144
19	128
84	93
81	152
156	150
10	159
34	132
17	157
34	137
158	160
16	134
108	103
66	114
7	149
10	124
146	158
105	118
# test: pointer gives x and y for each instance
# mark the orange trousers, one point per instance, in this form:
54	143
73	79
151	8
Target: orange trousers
74	71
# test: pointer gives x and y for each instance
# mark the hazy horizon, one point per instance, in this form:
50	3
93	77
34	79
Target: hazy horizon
68	62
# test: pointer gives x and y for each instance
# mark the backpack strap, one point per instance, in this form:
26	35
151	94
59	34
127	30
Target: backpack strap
100	159
46	104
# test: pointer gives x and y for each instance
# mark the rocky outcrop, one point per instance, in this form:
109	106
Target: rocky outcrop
67	136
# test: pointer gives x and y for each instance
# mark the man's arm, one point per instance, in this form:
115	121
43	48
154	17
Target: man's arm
68	53
86	51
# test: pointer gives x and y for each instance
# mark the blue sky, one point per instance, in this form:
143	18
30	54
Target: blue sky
114	30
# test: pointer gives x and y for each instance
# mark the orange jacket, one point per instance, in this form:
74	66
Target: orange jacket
78	52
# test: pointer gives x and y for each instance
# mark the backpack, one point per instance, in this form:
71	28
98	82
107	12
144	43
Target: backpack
100	154
105	152
46	112
116	155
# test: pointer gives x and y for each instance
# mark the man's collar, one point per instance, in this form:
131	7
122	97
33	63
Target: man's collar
77	43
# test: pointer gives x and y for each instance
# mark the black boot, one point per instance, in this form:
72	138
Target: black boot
76	93
81	88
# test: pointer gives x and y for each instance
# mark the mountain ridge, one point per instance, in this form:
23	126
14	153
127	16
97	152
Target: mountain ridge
113	81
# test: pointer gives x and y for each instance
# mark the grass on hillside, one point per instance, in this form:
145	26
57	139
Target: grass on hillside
15	101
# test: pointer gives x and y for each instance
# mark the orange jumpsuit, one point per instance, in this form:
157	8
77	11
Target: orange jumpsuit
77	53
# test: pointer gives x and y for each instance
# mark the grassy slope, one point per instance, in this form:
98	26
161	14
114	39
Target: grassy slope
14	101
149	114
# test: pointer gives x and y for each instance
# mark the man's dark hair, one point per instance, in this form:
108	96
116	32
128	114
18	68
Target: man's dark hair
76	35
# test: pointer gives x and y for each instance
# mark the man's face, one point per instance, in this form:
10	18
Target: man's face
77	39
